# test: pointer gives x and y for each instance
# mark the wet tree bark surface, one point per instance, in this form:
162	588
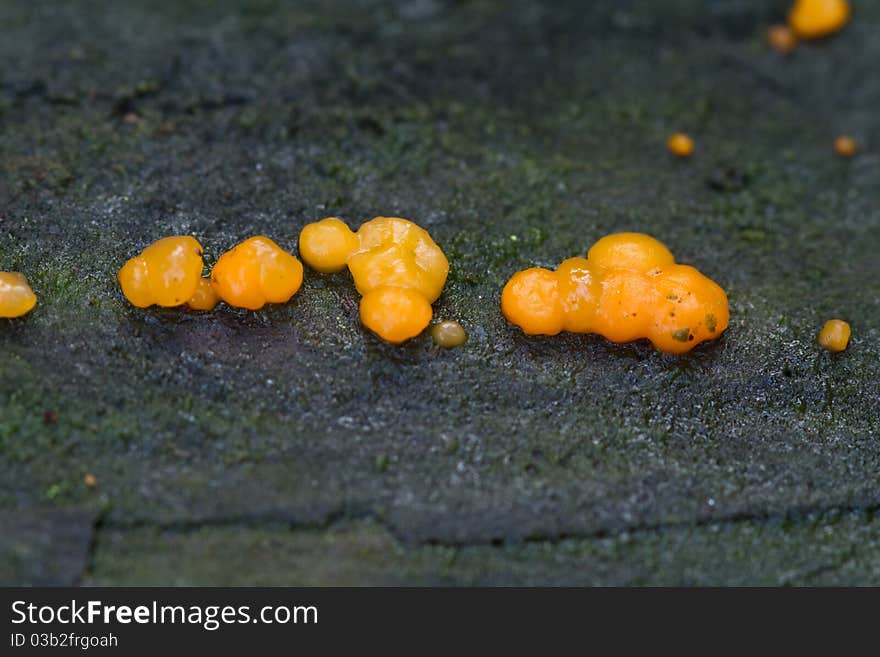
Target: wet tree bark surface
289	445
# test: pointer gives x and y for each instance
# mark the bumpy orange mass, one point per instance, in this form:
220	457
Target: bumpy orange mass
628	287
256	272
396	266
166	273
16	296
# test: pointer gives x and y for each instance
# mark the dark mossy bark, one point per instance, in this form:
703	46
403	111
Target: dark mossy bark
517	134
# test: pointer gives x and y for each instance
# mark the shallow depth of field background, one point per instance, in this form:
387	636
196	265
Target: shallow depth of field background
289	446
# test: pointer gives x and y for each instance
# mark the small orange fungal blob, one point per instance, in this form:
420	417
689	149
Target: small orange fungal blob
256	272
396	266
845	146
813	19
782	39
628	287
205	297
16	296
834	336
532	300
395	313
680	145
448	334
166	273
327	244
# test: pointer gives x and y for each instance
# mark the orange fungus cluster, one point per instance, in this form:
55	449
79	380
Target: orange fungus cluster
628	287
808	19
169	273
397	268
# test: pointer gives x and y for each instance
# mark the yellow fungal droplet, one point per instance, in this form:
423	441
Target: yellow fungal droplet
834	336
448	334
90	480
385	253
166	273
680	145
256	272
16	296
628	287
205	297
813	19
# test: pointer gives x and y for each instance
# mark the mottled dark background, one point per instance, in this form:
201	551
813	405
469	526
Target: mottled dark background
289	446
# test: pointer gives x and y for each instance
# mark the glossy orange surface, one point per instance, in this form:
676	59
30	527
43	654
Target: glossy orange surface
256	272
166	273
835	335
16	296
628	287
205	297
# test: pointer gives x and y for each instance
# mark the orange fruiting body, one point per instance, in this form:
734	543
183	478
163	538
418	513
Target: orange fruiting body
205	297
166	273
834	336
628	287
813	19
532	299
845	146
680	145
327	244
256	272
389	256
781	38
395	313
16	296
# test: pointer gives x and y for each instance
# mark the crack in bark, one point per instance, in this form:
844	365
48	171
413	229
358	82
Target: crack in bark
336	517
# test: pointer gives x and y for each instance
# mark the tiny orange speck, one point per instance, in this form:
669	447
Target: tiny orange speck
90	480
845	146
680	145
781	39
